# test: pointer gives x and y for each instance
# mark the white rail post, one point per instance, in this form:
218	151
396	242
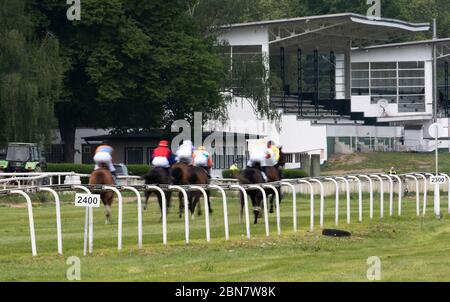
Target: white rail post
321	199
277	203
120	213
88	224
225	209
417	192
139	206
205	198
294	203
391	194
186	210
381	194
359	196
336	184
58	217
437	197
163	209
247	215
448	188
400	189
311	192
370	194
266	213
30	220
425	190
347	188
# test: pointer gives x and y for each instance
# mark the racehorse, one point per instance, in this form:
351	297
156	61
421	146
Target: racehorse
247	177
158	176
273	175
254	176
179	177
103	176
182	174
198	176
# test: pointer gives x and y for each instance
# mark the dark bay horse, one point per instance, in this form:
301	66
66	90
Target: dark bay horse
198	176
183	174
254	176
158	176
247	177
103	176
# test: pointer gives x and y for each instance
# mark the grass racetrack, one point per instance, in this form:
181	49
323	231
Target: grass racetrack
410	249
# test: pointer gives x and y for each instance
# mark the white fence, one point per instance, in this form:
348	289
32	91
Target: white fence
25	185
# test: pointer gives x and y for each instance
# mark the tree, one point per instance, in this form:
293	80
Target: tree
30	77
132	65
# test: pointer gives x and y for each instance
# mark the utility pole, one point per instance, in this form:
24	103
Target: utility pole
437	207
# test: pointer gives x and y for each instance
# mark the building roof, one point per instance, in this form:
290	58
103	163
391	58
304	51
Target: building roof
443	46
333	32
357	18
157	134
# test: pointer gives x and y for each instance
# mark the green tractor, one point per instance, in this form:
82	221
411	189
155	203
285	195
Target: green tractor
23	157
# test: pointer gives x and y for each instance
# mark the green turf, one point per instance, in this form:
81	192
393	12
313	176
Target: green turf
409	248
383	161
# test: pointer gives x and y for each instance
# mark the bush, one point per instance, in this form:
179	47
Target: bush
228	173
80	169
287	174
294	174
137	170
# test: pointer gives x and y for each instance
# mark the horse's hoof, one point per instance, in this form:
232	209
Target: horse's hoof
271	211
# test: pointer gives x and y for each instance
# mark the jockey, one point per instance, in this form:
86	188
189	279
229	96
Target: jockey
103	156
202	159
184	152
162	156
274	153
258	156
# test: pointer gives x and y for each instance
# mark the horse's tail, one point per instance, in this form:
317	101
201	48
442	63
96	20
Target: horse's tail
177	175
193	178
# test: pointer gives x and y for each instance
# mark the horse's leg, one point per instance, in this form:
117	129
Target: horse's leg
168	199
208	194
160	205
181	206
272	198
256	205
147	196
197	203
107	201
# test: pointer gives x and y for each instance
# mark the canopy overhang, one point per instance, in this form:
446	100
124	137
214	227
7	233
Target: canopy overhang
337	32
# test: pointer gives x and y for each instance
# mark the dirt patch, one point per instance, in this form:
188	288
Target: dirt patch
347	159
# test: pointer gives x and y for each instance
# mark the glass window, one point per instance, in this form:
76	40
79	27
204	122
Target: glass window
411	73
411	65
384	65
360	66
134	156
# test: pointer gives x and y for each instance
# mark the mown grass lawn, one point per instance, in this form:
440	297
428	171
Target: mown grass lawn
409	248
383	161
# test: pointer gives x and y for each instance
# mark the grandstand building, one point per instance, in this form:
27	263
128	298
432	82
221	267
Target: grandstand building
343	88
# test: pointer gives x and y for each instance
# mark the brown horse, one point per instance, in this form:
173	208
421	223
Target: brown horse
254	176
103	176
182	174
179	177
273	175
198	176
247	177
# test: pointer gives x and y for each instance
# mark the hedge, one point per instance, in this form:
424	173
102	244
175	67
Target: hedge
137	170
287	174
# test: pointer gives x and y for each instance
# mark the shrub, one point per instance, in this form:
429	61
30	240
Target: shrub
294	174
137	170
